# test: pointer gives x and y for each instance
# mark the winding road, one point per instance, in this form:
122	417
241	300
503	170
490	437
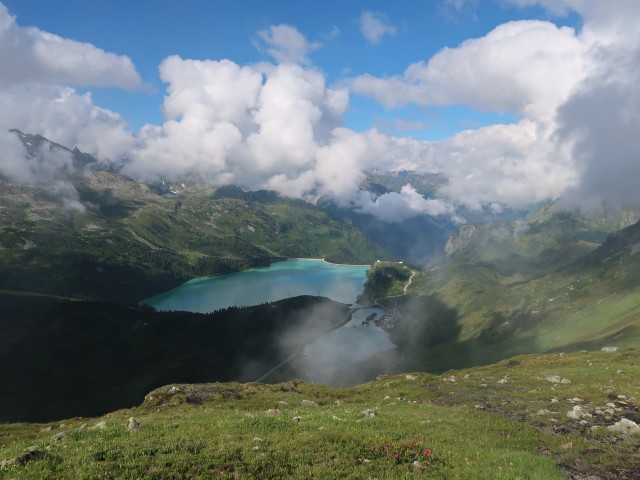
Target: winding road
409	282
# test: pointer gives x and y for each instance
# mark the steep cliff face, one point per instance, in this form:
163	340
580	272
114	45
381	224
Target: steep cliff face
460	239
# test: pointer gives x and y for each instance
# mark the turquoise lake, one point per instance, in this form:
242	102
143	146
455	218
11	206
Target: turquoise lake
290	278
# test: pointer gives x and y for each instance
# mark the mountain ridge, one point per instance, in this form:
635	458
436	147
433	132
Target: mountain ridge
104	236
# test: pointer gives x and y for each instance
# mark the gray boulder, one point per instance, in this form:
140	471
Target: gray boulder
625	427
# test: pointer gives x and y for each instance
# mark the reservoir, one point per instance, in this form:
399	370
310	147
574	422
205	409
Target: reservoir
290	278
323	359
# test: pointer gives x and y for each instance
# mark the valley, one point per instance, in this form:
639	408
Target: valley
558	285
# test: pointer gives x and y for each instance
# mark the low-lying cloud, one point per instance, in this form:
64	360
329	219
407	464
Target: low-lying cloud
395	207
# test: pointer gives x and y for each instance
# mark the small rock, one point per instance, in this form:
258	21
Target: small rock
503	381
369	413
619	372
578	413
338	402
557	379
32	453
82	428
257	439
63	425
625	427
411	377
45	429
297	419
584	423
575	400
622	397
610	349
555	400
451	378
483	385
256	448
308	403
59	436
282	402
543	411
99	426
567	446
133	425
273	411
336	418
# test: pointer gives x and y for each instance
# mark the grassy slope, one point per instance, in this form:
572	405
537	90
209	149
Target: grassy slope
503	421
590	303
134	243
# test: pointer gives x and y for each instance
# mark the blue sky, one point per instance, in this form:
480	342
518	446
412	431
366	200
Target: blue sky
149	31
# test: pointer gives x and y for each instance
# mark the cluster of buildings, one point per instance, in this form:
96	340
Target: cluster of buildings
390	318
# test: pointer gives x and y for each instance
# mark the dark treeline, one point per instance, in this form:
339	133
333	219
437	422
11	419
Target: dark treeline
65	359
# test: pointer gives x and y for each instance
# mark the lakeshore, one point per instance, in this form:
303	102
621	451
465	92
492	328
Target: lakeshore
331	263
285	279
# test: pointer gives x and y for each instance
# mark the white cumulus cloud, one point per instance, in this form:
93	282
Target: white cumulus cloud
527	66
30	55
375	25
286	44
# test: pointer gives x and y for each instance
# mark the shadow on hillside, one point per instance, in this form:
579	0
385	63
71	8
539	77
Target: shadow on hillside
427	339
109	205
67	359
